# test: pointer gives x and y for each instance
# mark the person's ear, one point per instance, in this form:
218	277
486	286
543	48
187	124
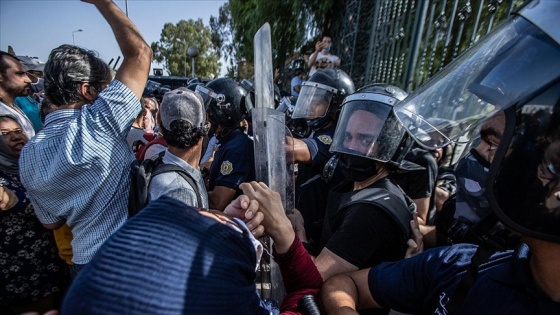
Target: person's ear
88	92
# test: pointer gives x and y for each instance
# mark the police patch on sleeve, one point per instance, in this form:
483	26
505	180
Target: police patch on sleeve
325	139
226	168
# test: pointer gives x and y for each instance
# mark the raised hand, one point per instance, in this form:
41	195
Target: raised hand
247	210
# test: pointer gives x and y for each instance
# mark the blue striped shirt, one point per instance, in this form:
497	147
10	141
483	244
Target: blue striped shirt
77	168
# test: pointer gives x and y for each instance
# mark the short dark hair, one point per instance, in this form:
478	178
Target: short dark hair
70	66
46	108
3	63
182	134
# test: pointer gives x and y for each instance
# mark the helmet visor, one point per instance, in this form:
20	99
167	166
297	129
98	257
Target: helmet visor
504	69
526	181
208	95
313	101
367	128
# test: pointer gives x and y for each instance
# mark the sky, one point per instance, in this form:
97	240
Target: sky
34	27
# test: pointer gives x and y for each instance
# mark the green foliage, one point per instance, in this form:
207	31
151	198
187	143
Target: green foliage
171	50
293	22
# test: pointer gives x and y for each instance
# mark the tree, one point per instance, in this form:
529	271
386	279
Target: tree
171	50
292	22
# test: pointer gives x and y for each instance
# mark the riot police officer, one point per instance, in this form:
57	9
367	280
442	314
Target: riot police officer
368	215
234	160
515	69
319	103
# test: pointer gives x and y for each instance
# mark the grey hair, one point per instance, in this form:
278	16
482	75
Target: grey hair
70	66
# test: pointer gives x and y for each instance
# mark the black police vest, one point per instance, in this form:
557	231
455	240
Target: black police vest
399	208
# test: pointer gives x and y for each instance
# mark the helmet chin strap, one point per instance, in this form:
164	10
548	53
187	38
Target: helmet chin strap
319	123
225	132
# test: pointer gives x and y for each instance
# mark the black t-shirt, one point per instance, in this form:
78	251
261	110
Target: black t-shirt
364	234
419	184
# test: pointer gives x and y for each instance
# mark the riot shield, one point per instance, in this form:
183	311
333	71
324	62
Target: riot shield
269	135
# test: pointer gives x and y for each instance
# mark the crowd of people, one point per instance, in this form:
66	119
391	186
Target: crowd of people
402	202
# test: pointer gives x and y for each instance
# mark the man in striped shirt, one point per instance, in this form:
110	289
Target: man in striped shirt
76	169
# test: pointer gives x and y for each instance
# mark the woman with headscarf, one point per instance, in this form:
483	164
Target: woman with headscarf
33	278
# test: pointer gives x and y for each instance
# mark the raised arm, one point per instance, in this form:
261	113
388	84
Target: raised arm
137	54
313	57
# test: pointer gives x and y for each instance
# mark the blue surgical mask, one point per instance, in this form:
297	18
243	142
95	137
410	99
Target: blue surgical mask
39	86
327	48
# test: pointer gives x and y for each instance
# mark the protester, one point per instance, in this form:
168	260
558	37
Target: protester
184	127
63	235
14	82
174	259
322	58
33	278
464	278
151	104
30	104
81	153
319	103
141	130
234	161
297	80
155	146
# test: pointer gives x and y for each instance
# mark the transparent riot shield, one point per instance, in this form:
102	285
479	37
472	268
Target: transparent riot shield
274	164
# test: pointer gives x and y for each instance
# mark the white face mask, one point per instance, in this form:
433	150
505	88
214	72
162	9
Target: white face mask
256	244
327	48
38	86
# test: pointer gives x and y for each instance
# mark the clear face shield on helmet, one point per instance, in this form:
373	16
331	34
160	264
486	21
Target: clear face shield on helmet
502	71
515	69
208	96
367	128
313	101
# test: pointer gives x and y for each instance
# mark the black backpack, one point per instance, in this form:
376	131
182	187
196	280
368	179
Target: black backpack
141	173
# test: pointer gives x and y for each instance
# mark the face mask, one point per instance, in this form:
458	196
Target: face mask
357	168
256	244
472	202
38	86
327	48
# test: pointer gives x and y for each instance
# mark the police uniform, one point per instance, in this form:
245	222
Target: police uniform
367	226
311	189
426	281
234	162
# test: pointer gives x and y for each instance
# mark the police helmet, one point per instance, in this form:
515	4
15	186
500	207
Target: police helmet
192	86
368	128
320	98
225	102
514	69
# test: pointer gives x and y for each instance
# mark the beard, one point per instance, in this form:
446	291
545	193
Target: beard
15	91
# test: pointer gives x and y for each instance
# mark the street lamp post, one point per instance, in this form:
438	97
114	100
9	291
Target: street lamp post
76	31
193	52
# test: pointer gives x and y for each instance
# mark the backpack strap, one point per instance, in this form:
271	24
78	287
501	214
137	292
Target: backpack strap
164	168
